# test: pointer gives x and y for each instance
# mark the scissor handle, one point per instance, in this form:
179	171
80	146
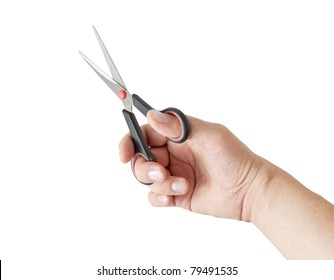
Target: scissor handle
184	124
139	142
143	107
137	136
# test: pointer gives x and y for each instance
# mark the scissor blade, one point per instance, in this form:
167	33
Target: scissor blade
105	77
113	85
113	70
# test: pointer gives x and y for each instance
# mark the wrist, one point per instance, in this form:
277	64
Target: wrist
258	192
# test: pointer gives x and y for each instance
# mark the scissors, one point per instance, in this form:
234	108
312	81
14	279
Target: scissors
116	84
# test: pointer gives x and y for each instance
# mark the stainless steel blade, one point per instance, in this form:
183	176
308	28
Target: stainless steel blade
113	70
111	83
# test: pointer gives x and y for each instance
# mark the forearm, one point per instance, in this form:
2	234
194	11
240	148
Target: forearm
297	221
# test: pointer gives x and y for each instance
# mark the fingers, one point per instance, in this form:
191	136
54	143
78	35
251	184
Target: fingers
163	187
160	200
165	124
164	194
148	171
157	175
126	149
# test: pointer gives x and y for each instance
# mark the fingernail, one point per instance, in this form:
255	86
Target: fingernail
179	186
163	199
160	117
155	175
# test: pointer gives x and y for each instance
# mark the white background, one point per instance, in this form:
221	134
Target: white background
68	206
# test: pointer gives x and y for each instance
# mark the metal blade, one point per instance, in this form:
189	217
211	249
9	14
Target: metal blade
113	85
113	70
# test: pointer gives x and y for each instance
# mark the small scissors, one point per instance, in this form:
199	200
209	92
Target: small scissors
118	87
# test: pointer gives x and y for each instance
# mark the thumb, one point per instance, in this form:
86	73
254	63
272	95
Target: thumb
165	124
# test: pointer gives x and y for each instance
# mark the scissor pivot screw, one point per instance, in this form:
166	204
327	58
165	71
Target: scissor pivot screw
122	94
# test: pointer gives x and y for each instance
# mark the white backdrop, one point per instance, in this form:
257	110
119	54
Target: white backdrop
68	206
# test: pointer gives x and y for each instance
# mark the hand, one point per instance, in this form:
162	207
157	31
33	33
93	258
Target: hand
211	173
214	173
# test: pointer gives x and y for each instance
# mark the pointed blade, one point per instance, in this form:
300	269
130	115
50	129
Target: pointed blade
113	85
113	70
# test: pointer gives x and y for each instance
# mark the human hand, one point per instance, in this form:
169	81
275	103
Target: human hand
214	173
211	173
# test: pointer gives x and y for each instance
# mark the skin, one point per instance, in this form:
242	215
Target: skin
214	173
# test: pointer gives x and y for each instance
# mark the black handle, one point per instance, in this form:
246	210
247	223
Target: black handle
137	136
184	123
141	105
